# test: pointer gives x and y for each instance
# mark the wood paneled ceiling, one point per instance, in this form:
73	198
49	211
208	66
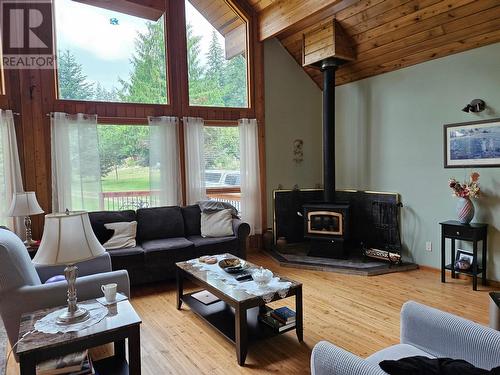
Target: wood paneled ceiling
386	34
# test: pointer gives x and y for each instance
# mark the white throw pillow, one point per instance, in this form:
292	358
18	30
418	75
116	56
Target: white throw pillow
217	224
123	237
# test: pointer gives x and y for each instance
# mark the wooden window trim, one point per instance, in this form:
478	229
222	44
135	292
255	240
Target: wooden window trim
228	190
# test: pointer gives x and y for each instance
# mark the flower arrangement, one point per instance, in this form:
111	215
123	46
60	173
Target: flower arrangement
467	189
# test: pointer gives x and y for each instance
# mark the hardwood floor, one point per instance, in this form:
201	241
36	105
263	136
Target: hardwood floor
358	313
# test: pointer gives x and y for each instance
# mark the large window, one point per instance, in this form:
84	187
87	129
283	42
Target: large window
217	54
125	171
106	55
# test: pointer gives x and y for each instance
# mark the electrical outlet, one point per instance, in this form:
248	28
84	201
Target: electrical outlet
428	246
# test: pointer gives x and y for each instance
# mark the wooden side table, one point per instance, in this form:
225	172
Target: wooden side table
122	323
474	233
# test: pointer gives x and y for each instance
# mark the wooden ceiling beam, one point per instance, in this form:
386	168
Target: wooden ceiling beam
283	14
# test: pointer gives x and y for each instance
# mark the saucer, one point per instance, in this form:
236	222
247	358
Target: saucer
119	297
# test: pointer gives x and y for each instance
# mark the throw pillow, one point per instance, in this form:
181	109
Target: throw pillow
123	236
55	279
217	224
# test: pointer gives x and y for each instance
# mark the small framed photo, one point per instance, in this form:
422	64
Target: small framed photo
472	144
463	260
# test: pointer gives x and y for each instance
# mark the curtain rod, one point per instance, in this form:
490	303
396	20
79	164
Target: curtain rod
145	119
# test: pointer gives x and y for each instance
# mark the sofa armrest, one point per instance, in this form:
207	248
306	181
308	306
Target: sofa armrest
328	359
32	298
94	266
241	230
446	335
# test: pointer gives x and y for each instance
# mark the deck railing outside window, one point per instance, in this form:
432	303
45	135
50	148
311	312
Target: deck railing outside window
133	200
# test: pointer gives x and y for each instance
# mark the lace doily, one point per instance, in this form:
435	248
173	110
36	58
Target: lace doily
48	324
251	287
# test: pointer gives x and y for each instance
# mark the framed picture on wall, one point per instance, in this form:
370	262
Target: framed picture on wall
472	144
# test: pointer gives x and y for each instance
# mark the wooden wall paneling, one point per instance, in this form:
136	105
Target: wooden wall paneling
428	36
361	69
427	24
411	18
434	53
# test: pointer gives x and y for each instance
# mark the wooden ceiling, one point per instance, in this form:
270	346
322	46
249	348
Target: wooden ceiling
386	34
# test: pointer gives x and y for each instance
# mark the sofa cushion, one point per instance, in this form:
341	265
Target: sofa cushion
192	222
99	218
159	223
396	352
166	244
212	246
125	259
163	254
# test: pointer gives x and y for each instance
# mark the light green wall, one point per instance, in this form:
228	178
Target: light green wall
293	111
390	138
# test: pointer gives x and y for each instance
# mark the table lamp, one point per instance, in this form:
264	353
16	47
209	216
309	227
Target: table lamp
25	204
68	239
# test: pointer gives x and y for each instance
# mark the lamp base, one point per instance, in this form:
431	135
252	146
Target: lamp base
72	317
30	243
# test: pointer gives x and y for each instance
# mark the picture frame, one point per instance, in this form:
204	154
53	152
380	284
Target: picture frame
472	144
462	255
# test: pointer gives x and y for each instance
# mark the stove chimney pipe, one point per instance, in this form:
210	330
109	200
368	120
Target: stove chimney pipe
329	67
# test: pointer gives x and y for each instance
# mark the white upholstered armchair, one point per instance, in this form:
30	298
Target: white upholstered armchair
425	331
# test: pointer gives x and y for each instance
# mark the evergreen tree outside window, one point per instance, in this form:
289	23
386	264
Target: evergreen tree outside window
217	55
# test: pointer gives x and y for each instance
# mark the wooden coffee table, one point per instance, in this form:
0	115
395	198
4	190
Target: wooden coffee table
235	316
122	322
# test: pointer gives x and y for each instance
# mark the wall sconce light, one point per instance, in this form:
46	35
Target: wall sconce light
477	105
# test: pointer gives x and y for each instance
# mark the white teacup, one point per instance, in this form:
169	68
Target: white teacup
109	291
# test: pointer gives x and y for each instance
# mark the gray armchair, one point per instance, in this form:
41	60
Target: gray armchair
425	331
21	288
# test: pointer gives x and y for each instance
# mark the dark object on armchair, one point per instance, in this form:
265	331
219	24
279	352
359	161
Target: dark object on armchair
165	235
420	365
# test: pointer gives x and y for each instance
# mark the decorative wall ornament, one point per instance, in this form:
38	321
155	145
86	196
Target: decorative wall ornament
298	151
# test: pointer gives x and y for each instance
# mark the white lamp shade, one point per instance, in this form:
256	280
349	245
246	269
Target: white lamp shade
24	204
67	239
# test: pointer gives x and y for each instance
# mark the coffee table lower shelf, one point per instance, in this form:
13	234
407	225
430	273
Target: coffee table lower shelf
221	316
112	366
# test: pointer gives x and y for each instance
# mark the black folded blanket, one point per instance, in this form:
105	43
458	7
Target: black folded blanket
420	365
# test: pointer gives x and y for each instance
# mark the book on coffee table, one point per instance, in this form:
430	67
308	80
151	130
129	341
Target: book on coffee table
205	297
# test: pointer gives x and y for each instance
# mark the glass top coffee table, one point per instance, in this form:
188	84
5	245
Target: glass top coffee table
236	313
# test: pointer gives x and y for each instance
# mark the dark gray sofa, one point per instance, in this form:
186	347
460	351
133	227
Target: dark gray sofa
165	235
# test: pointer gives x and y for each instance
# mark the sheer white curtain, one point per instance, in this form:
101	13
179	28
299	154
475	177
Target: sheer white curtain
10	171
76	169
250	175
195	159
164	176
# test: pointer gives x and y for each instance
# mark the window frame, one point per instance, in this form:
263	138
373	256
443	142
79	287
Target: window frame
162	106
192	109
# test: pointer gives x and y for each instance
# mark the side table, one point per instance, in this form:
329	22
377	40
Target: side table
122	323
474	233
